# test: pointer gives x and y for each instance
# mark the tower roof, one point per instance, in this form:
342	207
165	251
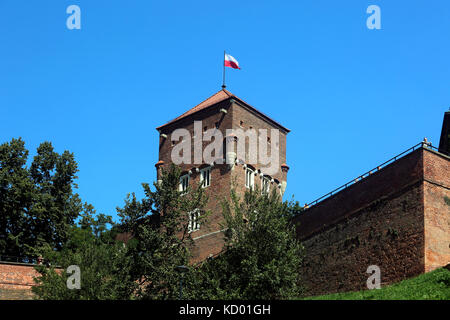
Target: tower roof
219	96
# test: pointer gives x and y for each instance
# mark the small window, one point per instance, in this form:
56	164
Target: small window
205	128
205	177
216	125
184	183
249	178
241	124
265	187
194	221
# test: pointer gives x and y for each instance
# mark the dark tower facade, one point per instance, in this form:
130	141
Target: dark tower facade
444	142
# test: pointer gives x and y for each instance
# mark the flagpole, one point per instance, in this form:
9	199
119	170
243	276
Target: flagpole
223	85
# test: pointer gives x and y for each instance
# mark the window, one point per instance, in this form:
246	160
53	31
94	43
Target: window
194	221
249	178
265	185
205	177
184	183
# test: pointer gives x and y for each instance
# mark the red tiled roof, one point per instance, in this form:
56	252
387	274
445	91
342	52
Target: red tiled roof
214	99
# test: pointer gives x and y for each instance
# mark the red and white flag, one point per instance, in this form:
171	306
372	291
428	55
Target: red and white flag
231	62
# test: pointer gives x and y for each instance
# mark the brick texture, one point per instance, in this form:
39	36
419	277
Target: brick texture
437	210
209	239
395	219
16	281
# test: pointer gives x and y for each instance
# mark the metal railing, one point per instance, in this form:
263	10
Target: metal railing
422	144
430	146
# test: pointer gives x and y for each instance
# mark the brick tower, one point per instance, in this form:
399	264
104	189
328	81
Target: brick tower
227	117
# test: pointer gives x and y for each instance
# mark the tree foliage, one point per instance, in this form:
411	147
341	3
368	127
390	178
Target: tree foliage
145	268
103	263
37	203
262	256
160	237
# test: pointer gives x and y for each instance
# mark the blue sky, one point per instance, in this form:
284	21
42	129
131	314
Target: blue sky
353	97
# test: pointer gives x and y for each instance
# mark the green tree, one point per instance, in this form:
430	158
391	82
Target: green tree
55	206
37	204
16	197
105	267
160	236
262	256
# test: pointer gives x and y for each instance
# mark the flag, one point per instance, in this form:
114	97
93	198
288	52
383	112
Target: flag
231	62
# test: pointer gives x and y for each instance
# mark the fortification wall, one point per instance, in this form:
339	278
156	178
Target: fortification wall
16	281
437	210
387	233
394	219
392	178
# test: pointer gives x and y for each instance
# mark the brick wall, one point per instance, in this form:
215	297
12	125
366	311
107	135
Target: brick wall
209	239
394	219
437	211
392	178
16	281
250	120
